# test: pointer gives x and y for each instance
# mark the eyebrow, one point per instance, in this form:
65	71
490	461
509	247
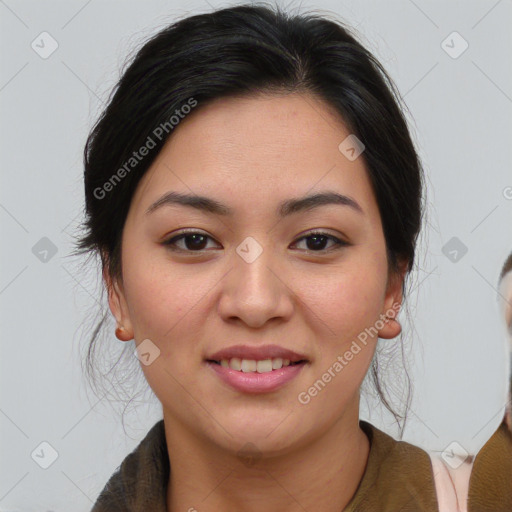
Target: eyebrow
286	208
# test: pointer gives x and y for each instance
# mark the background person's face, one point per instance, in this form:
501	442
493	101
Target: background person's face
506	293
506	304
506	296
251	154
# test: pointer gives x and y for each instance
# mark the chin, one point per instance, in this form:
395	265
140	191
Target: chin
270	436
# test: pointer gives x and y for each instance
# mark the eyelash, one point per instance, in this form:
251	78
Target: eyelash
338	244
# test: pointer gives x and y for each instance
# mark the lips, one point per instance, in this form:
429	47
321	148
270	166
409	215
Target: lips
256	353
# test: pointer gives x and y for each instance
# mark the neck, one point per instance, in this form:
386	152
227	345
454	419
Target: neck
207	478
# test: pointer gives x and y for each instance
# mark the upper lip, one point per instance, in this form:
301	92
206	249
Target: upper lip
256	353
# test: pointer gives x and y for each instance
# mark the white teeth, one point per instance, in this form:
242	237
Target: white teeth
235	364
248	365
251	365
264	366
277	363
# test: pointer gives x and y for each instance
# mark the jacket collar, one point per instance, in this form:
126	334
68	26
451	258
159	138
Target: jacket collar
398	476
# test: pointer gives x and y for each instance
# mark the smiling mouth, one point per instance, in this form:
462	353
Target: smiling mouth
256	366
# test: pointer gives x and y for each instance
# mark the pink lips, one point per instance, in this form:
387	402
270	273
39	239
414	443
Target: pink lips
254	382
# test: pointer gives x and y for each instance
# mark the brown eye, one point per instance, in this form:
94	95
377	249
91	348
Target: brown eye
317	241
192	241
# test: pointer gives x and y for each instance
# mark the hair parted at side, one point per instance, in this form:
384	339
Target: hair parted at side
249	50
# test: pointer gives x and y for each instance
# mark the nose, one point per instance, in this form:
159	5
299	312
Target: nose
256	292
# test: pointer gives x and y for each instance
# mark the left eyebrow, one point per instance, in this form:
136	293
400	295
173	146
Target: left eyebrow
286	208
314	201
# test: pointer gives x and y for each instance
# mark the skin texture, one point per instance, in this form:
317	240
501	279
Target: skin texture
251	154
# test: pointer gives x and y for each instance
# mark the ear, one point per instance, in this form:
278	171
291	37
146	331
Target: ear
118	305
393	303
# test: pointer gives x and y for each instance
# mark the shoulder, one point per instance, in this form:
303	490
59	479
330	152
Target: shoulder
139	483
477	484
490	484
398	476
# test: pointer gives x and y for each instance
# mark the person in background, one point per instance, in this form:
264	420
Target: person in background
490	485
483	483
505	293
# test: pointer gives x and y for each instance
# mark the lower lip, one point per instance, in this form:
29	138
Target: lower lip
254	382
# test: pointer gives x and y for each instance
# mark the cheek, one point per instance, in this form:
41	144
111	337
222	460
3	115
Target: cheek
166	307
346	307
347	301
157	294
160	307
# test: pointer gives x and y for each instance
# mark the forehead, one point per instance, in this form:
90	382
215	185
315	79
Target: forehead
257	129
264	147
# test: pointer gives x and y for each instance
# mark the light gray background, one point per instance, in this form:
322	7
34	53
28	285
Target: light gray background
461	111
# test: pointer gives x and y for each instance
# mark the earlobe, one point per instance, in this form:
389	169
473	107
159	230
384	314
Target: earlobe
392	304
123	334
391	329
117	304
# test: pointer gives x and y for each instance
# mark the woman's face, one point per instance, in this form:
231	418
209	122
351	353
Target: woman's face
254	276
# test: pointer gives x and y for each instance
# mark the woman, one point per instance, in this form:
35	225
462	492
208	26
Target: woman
255	197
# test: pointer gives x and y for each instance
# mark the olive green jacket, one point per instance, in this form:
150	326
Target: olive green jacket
490	484
398	477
